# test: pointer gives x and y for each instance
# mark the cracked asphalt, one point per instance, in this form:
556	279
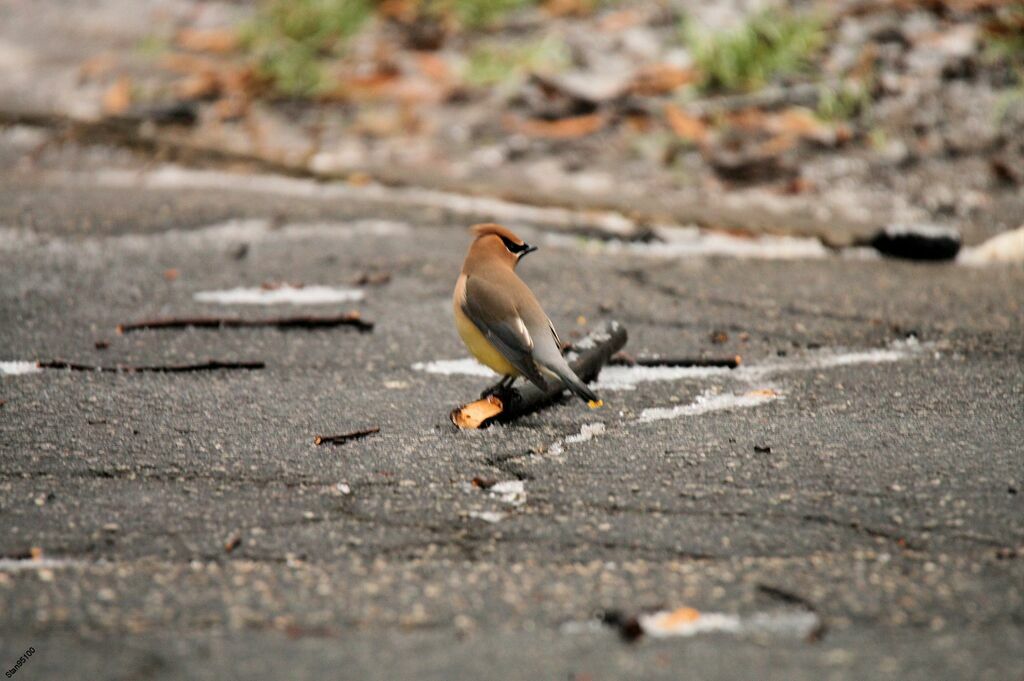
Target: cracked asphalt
883	496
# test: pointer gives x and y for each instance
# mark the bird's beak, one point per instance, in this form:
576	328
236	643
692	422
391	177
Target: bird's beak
528	249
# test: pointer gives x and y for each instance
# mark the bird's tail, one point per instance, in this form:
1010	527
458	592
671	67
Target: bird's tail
579	388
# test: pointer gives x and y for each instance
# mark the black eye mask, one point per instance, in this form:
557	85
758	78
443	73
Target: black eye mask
518	249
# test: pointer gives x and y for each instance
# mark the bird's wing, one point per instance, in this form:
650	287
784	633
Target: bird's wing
494	313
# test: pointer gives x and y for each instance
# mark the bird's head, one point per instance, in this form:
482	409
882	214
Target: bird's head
494	241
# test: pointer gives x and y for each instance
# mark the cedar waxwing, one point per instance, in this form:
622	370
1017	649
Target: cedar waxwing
500	320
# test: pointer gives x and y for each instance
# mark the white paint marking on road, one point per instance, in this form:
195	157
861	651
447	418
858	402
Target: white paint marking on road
829	359
488	516
17	368
620	378
692	242
1006	248
452	367
16	565
290	295
689	622
709	402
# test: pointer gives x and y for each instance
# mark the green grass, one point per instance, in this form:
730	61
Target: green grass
771	44
1004	35
844	102
480	13
492	64
292	40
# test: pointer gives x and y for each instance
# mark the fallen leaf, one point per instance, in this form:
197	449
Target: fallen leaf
561	128
797	121
359	179
475	413
671	620
763	392
201	85
232	543
231	108
96	67
171	274
690	128
118	96
215	40
660	79
620	21
569	8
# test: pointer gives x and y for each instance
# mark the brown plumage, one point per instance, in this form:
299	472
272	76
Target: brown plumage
501	321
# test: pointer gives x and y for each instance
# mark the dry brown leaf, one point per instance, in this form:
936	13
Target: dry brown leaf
404	11
214	40
797	121
474	414
180	62
638	122
777	144
562	128
763	392
688	127
118	96
433	67
660	79
569	8
679	616
96	67
231	108
620	21
202	85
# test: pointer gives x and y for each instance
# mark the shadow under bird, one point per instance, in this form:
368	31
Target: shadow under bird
501	321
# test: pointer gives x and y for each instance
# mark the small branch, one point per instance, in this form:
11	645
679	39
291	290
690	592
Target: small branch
212	365
344	437
347	319
623	359
587	358
791	598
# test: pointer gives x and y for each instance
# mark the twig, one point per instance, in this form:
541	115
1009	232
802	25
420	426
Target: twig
791	598
347	319
623	359
587	358
344	437
212	365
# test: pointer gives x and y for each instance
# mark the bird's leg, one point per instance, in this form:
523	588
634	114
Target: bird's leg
499	388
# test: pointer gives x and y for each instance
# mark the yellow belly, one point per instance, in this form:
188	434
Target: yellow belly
480	347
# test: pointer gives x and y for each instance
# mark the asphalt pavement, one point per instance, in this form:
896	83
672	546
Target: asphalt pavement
861	471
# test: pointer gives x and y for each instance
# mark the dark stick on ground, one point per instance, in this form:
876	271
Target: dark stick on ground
344	437
353	319
791	598
623	359
212	365
586	359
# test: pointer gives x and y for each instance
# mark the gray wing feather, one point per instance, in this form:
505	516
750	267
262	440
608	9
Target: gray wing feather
495	315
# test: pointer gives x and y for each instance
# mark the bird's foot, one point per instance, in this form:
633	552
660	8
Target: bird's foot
502	390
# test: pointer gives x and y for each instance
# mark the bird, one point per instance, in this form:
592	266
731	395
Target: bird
500	320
